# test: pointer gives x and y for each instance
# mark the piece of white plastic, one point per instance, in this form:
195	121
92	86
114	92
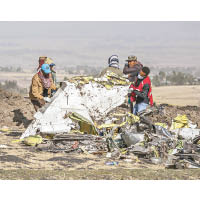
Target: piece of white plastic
187	133
91	100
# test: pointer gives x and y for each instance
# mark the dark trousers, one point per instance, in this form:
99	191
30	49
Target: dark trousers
38	104
131	107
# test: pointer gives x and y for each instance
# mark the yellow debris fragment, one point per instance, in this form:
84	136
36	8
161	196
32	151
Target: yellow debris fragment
33	140
85	125
161	124
181	121
16	141
131	118
108	86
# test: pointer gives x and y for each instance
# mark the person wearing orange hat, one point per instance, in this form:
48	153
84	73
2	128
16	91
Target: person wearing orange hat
41	61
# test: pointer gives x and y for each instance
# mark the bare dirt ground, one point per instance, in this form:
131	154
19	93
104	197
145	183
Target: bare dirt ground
24	162
16	112
105	174
178	95
18	161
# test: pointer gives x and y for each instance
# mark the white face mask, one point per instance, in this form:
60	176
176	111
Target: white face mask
140	77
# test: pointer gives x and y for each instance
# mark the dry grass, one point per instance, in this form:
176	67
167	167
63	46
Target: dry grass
177	95
24	79
114	174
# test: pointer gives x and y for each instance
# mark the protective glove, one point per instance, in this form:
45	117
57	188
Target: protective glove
47	99
130	90
125	76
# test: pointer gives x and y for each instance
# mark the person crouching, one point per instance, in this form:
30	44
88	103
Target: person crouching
141	92
42	84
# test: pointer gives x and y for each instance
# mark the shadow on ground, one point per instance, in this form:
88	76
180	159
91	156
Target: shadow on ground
20	118
12	158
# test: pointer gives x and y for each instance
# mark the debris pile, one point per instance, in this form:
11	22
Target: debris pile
75	143
86	96
90	115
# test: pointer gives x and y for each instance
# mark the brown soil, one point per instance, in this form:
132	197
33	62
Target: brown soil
15	110
169	112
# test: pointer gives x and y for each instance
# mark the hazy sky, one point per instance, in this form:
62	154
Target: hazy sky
91	43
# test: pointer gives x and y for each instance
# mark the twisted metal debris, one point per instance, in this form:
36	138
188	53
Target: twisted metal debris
88	115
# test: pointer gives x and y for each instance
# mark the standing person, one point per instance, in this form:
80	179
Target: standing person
141	91
41	87
50	62
41	61
53	73
132	68
113	66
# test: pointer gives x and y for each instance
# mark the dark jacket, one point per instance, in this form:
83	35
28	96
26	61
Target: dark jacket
133	71
142	97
